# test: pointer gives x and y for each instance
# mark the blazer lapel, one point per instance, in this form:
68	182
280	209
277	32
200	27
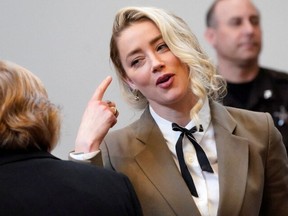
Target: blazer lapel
157	163
233	158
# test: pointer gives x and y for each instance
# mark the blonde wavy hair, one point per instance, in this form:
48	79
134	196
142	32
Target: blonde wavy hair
182	43
28	120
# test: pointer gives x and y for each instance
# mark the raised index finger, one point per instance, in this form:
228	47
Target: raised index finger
100	90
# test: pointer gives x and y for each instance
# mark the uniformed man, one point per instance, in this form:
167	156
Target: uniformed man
234	30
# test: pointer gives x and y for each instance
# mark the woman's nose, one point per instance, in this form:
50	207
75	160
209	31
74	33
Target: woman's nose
157	63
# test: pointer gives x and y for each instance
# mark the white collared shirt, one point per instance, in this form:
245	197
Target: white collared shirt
206	183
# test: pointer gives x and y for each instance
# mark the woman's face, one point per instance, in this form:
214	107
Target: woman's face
150	66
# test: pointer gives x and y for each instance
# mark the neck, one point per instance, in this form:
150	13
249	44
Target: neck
238	73
178	112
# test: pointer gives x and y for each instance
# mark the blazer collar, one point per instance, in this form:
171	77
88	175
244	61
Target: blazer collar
233	158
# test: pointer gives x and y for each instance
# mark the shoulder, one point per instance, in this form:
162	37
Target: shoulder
125	141
143	125
256	127
248	118
243	121
124	133
132	139
78	171
237	115
92	175
274	74
87	169
248	115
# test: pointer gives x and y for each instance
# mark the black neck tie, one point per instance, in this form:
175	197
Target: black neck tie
201	156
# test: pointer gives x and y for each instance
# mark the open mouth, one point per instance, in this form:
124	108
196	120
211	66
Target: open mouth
163	79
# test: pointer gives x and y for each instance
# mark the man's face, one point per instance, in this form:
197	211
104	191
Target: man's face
237	31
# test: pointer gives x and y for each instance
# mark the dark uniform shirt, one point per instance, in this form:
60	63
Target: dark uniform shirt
268	92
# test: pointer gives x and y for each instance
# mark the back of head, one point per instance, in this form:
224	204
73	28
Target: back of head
27	118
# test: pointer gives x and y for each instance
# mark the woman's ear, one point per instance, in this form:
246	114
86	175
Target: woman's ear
130	83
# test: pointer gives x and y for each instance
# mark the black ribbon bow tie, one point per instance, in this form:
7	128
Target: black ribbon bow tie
201	156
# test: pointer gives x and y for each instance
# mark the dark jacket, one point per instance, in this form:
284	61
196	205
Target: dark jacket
38	183
268	92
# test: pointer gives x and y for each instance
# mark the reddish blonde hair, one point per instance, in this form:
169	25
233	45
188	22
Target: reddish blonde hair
28	120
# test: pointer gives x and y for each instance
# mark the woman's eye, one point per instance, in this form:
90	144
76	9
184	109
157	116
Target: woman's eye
135	62
162	47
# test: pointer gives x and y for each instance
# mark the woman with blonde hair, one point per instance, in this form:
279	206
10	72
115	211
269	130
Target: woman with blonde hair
187	154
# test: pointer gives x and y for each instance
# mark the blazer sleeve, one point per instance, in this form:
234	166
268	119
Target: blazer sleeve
275	195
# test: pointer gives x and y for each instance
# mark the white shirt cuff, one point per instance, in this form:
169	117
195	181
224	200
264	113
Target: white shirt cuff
83	156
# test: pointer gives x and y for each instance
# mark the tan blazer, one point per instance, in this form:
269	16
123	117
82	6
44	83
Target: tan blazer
252	164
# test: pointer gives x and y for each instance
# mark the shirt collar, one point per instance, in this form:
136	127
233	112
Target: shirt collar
204	117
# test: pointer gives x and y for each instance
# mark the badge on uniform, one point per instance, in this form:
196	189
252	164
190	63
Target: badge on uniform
282	115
